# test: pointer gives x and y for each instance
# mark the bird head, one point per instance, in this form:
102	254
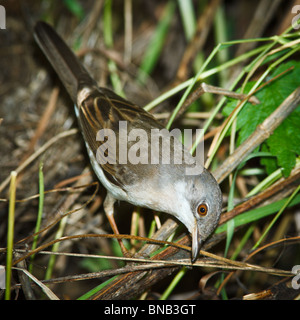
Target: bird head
201	208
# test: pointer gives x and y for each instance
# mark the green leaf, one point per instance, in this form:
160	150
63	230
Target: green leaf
284	143
269	162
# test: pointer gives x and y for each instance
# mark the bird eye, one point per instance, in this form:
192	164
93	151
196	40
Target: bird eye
202	210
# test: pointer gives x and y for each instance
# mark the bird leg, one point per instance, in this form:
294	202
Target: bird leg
109	211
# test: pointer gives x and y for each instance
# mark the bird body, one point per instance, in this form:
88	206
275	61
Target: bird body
119	135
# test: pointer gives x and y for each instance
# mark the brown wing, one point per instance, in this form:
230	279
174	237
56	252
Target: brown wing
103	109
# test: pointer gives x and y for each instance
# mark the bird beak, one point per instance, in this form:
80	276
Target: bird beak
196	243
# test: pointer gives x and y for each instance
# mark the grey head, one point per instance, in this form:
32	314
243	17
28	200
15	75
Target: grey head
201	208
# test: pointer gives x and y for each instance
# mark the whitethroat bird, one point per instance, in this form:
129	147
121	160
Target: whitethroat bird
194	199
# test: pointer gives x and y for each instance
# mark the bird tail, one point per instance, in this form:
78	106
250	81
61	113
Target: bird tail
63	60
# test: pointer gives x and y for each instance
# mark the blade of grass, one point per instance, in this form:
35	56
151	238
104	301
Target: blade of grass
187	13
10	232
229	229
135	225
274	176
156	44
108	40
90	293
203	76
173	283
55	247
220	28
128	31
40	213
243	241
230	224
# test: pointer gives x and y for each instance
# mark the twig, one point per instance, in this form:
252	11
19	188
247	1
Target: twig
45	289
148	265
84	236
206	88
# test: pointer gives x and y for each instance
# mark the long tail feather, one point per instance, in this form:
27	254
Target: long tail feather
69	69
